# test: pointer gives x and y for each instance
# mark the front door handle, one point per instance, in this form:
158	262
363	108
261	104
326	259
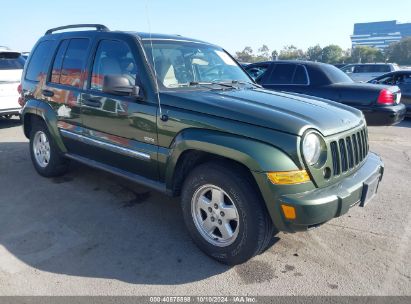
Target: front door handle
92	103
47	93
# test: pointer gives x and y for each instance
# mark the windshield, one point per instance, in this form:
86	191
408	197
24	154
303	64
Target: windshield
335	75
181	64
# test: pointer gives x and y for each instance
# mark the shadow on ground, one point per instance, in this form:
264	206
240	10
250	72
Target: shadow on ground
92	224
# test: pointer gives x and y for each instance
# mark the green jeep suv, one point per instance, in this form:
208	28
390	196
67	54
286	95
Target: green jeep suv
182	117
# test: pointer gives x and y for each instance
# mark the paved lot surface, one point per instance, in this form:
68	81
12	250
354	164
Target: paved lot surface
91	233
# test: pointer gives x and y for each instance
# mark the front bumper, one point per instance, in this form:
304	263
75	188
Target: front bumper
385	116
320	205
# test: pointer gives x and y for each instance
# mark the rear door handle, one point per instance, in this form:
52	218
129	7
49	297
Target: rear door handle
92	103
48	93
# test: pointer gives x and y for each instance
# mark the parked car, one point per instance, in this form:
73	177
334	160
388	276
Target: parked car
186	120
379	103
402	79
11	68
363	72
340	65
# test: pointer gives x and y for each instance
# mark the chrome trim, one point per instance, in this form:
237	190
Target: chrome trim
105	145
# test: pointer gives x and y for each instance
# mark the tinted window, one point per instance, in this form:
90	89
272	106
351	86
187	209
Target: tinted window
256	72
73	62
11	61
113	58
334	74
58	62
35	69
375	68
282	74
300	75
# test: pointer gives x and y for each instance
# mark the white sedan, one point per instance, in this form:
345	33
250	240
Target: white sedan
11	68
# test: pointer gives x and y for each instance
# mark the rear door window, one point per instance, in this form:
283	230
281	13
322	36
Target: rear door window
282	74
39	58
58	62
73	62
300	76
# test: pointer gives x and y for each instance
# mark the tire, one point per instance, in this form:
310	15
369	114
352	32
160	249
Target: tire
251	231
42	144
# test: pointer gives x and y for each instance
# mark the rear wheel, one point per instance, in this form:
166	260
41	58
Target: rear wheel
46	157
225	214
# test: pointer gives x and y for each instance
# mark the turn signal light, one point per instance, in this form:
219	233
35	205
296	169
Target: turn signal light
289	212
288	177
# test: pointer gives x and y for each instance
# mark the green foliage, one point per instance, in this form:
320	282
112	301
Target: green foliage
291	52
400	52
314	53
366	54
332	54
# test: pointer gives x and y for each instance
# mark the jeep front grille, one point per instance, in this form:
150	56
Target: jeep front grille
349	151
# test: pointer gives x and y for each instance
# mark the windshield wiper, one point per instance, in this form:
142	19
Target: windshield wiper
247	82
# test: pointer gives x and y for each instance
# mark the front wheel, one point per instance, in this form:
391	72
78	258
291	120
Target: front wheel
225	214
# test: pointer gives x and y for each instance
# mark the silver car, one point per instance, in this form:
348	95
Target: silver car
363	72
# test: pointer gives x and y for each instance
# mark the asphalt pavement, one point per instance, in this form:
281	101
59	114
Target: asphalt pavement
92	233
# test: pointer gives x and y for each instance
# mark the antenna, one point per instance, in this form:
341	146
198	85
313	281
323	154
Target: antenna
154	64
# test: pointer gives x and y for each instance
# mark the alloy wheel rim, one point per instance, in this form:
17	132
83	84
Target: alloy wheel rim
41	149
215	215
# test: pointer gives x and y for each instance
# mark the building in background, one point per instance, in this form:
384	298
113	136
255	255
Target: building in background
379	34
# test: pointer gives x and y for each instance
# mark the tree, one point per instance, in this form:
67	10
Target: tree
314	53
400	52
245	55
332	54
263	54
291	52
366	54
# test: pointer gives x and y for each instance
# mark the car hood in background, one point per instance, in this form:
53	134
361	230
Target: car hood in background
291	113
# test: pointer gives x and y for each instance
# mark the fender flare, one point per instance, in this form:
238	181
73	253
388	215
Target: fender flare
255	155
45	112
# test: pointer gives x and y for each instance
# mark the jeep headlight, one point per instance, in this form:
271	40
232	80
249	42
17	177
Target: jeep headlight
312	148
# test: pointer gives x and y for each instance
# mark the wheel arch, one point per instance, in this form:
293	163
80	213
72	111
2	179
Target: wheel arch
195	146
34	110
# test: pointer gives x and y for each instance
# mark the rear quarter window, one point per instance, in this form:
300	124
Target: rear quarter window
36	69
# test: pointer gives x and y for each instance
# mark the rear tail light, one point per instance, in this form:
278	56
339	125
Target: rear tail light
20	101
386	97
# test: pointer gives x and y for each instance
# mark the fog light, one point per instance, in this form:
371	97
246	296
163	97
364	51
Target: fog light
289	212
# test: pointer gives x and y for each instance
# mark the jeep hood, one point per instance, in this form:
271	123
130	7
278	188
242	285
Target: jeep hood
291	113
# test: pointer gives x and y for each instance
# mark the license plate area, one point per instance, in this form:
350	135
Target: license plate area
369	190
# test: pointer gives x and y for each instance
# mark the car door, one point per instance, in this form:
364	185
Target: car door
120	130
65	84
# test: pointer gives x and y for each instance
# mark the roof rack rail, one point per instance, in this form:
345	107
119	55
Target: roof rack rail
99	27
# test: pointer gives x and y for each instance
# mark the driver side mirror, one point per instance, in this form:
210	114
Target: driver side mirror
120	85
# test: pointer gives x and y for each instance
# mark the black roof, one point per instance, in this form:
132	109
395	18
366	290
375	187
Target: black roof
305	62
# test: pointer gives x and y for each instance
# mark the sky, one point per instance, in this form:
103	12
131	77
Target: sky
230	24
